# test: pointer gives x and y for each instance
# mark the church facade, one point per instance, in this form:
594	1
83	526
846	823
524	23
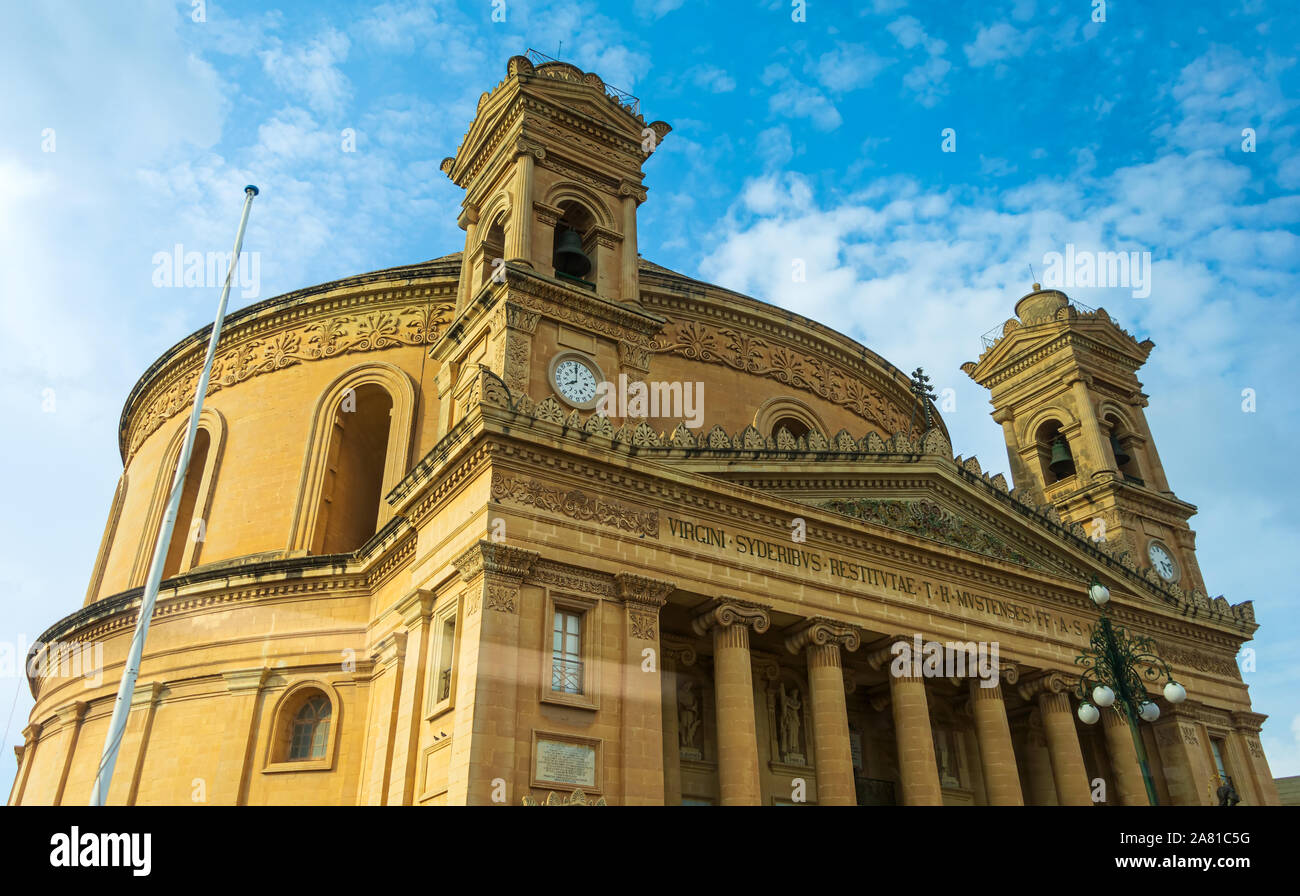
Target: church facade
541	521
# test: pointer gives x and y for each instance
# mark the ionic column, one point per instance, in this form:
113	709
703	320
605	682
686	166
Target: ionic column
519	241
821	640
1068	772
1123	758
1038	764
676	655
632	195
468	222
485	737
642	709
730	620
997	755
917	768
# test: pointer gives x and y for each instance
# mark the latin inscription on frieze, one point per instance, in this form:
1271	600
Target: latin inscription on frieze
841	571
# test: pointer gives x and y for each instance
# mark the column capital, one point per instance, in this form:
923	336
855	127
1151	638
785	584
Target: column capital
71	712
1043	683
245	679
491	557
390	649
415	607
637	589
822	631
728	611
680	652
879	652
146	694
1248	722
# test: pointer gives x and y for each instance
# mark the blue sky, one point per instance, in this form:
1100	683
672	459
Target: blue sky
818	139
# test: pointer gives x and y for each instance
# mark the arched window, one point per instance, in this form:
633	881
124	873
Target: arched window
796	427
1055	459
493	248
311	730
190	531
575	230
357	451
354	474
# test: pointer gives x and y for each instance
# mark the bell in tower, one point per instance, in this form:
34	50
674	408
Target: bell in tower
569	259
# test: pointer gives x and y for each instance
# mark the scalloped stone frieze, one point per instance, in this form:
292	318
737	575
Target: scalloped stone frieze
549	409
750	438
717	439
682	437
873	444
599	425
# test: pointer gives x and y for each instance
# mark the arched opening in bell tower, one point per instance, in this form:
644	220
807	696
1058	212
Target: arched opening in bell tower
573	247
1122	447
1055	459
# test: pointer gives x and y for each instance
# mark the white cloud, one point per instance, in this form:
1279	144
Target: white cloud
994	43
848	67
710	78
311	73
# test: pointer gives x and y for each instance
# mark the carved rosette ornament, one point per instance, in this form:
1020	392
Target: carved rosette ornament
500	570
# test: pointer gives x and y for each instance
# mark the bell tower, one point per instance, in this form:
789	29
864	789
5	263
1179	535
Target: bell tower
551	168
1063	384
552	172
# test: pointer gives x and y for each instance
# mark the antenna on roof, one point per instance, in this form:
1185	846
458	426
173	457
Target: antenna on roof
558	48
1032	278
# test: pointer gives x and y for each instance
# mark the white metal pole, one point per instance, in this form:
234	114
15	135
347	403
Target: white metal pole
126	690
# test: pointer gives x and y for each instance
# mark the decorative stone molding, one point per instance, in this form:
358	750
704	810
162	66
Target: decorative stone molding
821	630
572	578
575	504
238	680
326	336
727	611
390	649
742	351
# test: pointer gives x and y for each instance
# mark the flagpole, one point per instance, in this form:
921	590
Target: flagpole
126	689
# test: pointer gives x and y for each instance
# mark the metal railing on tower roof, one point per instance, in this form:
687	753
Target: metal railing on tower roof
624	99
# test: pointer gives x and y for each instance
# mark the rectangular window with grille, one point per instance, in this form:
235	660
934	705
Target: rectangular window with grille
566	652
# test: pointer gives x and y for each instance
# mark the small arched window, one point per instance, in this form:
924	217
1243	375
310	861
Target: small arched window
311	730
493	251
796	427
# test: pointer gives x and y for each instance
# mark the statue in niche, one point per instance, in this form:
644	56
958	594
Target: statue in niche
689	718
789	725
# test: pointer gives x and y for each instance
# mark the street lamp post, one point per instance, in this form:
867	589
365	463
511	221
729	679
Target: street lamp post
1116	666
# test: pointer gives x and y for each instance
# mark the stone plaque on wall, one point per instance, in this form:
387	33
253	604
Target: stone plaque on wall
565	762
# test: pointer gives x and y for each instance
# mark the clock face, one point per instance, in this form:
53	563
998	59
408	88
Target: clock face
1162	562
575	381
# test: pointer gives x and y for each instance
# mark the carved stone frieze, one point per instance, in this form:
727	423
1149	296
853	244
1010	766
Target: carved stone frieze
323	337
575	504
752	354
